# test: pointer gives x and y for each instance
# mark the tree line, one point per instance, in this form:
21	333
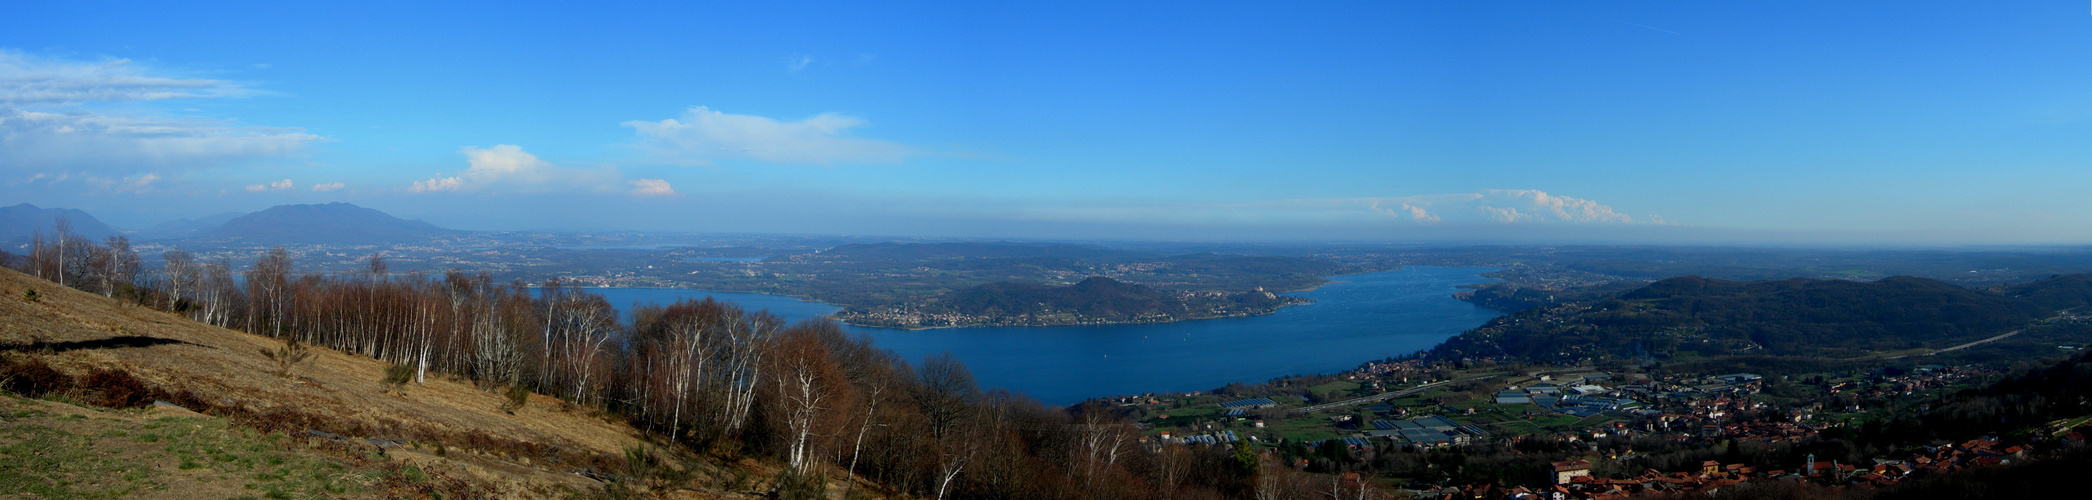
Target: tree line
705	375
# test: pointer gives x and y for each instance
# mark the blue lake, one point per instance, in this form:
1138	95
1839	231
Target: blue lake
1359	318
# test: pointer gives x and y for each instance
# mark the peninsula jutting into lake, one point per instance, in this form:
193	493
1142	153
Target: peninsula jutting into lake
1094	301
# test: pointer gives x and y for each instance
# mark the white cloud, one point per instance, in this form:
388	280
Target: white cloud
798	62
50	120
507	168
506	163
322	188
651	187
703	136
273	186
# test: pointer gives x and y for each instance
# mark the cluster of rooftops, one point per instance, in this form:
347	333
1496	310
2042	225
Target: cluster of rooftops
1582	396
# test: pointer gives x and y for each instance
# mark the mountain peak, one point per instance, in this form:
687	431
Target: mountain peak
21	221
330	223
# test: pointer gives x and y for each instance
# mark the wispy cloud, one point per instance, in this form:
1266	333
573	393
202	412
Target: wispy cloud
132	184
1650	27
49	120
703	136
26	79
798	62
331	186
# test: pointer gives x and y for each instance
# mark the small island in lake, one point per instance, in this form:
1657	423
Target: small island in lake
1096	300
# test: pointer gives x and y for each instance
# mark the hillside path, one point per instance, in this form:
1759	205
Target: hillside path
1976	343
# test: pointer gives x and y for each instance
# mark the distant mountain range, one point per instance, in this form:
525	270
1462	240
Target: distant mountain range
19	223
332	223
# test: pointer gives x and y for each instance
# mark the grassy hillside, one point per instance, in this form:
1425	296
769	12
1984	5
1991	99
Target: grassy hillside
453	434
53	449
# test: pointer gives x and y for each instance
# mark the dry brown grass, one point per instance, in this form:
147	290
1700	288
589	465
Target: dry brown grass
223	373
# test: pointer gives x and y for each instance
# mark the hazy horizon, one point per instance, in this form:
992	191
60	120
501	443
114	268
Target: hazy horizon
1871	125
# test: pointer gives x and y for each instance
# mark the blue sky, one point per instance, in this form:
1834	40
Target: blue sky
1862	122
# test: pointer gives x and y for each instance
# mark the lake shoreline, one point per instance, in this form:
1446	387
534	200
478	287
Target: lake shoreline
1298	301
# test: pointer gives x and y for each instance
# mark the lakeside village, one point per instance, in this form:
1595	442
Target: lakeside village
1351	424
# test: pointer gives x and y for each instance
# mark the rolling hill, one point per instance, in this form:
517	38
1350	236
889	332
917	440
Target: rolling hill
2057	293
1694	316
1097	297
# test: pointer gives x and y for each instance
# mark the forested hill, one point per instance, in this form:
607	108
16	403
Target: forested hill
2056	293
1693	316
1095	297
1093	300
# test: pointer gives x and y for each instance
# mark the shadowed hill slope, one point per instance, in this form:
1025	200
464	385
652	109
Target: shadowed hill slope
2056	293
1791	315
1693	316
